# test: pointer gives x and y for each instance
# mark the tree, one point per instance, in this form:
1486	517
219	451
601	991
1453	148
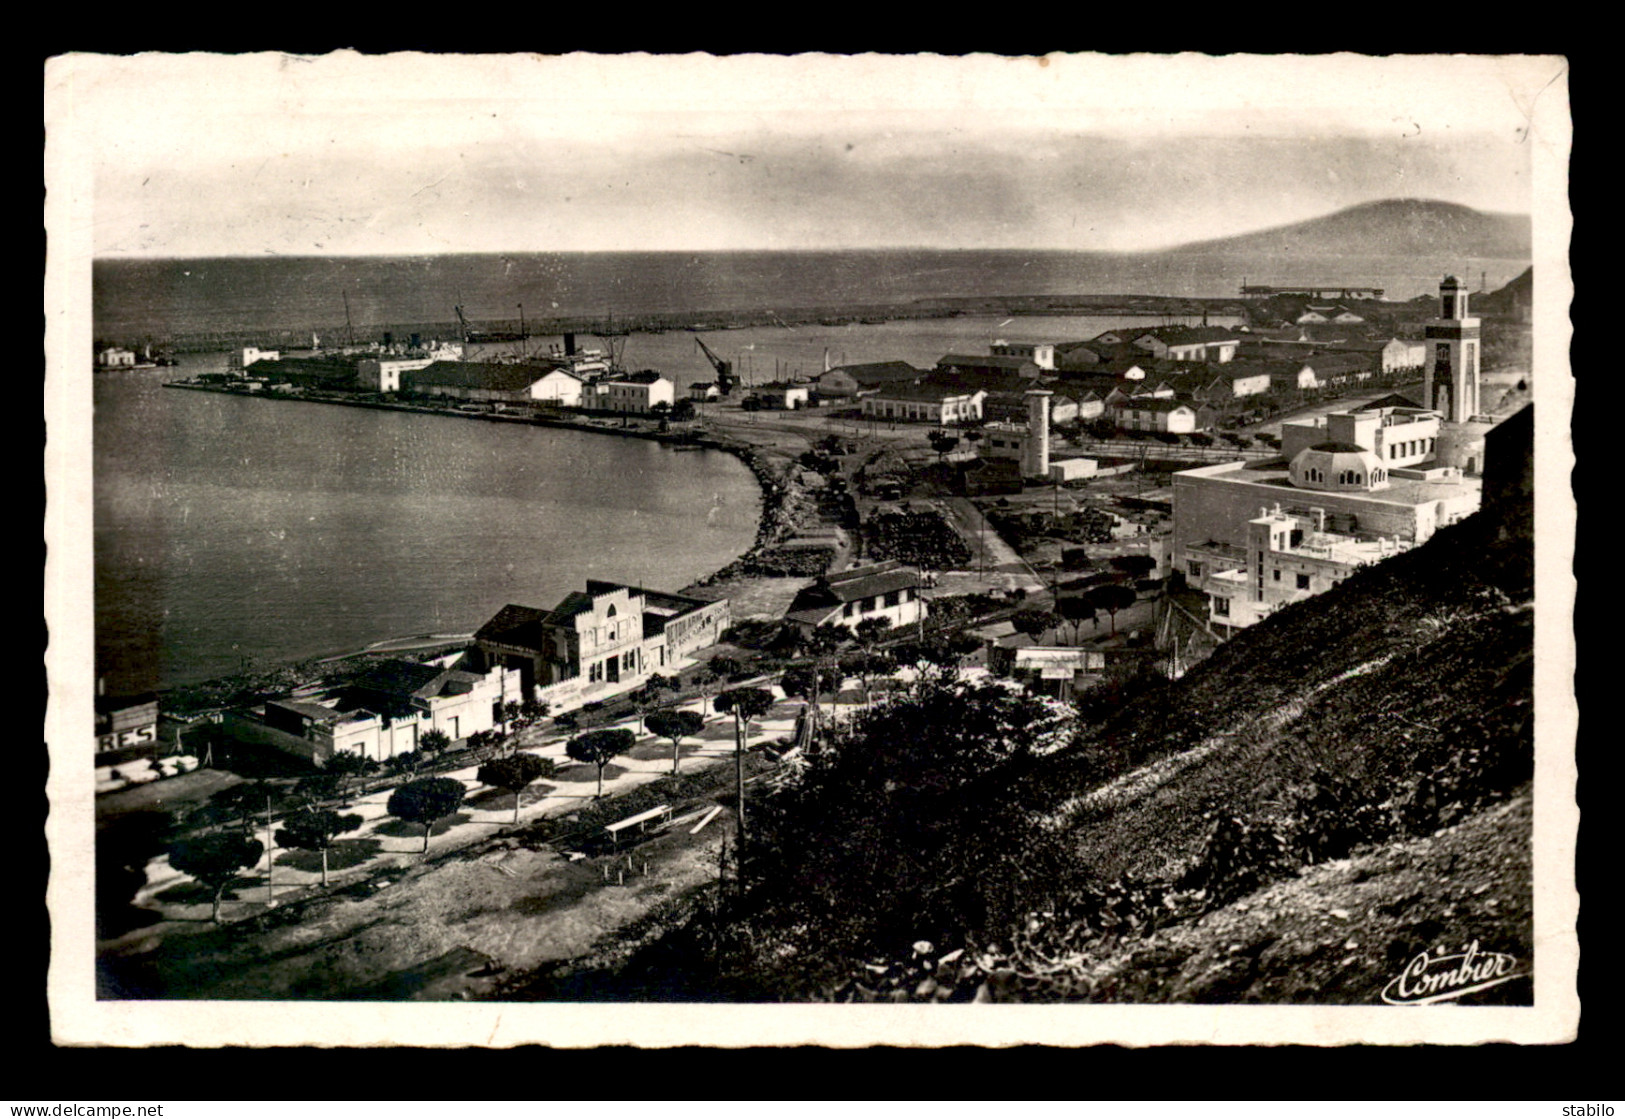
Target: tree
350	768
314	829
908	828
514	718
647	698
215	860
705	679
867	666
1033	622
484	743
318	787
869	634
809	682
514	774
676	725
600	747
1135	566
426	801
433	742
745	704
728	668
825	644
1076	610
1110	597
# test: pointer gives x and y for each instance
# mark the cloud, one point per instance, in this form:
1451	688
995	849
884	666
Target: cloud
417	154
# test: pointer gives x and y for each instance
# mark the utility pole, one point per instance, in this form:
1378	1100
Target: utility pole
739	780
981	542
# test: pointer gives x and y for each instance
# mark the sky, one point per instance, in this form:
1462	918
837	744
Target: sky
197	155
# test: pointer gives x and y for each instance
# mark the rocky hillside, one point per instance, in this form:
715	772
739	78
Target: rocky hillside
1515	298
1397	226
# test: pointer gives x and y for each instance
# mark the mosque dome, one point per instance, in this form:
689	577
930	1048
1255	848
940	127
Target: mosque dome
1345	467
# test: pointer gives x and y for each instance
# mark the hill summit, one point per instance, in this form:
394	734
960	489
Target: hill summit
1395	226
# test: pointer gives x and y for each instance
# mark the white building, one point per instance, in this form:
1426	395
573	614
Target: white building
925	404
115	357
1189	343
1287	558
886	590
383	374
248	355
1340	491
1041	354
781	396
635	393
1149	413
383	711
558	387
1399	434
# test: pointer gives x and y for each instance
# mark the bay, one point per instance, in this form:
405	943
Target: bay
233	532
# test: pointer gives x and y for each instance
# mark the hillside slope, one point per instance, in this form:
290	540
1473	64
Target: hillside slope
1395	226
1335	790
1518	295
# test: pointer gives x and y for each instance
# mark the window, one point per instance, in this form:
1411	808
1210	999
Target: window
630	661
892	598
1195	569
1303	581
1221	607
1277	574
849	609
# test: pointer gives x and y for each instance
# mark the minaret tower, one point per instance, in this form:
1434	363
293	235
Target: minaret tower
1450	378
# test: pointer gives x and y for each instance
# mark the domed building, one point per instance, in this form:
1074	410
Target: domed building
1337	468
1461	445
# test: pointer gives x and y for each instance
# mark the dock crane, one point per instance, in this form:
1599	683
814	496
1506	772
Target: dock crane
472	335
725	369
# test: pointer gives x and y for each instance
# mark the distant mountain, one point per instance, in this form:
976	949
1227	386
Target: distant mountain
1394	227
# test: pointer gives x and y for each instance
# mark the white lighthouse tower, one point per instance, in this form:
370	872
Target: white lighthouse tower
1450	378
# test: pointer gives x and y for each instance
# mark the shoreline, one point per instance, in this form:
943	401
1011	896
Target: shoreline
769	485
